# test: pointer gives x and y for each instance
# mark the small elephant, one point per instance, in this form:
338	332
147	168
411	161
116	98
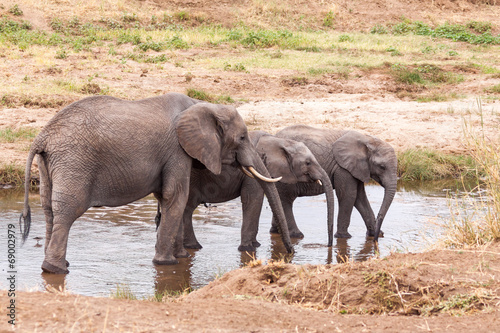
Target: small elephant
350	159
105	151
290	159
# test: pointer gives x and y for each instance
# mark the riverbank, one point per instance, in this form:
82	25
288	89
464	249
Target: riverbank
438	291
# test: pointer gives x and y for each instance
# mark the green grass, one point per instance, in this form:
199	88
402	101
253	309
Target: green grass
493	89
123	292
11	135
427	164
424	74
204	96
474	32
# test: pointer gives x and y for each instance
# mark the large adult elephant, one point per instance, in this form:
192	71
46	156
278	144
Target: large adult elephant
289	159
104	151
351	159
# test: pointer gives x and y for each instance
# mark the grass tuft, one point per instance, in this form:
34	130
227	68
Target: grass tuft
475	215
207	97
427	164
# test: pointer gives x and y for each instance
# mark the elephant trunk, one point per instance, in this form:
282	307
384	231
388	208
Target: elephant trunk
274	201
390	191
330	204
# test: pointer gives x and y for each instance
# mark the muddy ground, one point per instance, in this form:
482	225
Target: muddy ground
436	291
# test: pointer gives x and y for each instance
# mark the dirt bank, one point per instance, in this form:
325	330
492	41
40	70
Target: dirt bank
438	291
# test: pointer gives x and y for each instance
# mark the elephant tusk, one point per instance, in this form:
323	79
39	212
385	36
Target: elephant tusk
261	177
319	182
246	172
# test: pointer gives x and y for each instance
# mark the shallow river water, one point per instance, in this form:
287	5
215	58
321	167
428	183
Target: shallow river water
110	247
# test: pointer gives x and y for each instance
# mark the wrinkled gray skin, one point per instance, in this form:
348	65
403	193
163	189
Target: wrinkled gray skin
104	151
350	159
288	159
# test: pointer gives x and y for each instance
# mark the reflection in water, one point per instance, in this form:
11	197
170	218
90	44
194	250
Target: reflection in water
173	278
115	246
344	250
53	282
278	250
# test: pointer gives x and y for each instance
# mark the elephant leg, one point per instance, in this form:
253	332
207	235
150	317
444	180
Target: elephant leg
189	240
66	208
346	189
365	210
252	198
287	204
169	237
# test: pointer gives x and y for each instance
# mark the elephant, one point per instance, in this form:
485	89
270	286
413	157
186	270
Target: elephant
350	158
106	151
289	159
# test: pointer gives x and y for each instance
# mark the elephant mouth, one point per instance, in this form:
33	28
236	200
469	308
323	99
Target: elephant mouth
314	180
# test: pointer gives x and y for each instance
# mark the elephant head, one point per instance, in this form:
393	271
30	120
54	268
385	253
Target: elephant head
295	163
216	135
366	157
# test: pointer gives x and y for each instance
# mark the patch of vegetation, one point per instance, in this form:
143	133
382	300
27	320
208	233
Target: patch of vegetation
329	19
11	135
424	74
123	292
475	218
494	89
12	174
238	67
11	100
474	32
378	29
267	38
394	52
204	96
15	10
427	164
345	38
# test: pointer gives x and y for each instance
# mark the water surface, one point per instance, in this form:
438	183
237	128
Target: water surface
115	246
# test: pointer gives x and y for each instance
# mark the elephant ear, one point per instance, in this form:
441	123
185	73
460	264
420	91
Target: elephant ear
277	155
352	152
200	135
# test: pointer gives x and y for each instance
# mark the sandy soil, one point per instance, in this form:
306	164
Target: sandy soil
413	290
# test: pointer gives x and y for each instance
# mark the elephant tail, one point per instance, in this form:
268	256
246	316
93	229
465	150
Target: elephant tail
25	218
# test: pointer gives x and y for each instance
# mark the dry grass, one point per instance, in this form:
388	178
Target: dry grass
475	215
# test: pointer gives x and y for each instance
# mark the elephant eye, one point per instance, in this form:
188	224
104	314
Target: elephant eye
382	166
308	163
242	138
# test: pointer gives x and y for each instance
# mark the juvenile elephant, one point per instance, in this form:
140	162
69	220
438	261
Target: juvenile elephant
104	151
292	160
350	159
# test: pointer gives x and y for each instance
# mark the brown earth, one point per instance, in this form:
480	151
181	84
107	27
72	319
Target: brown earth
438	291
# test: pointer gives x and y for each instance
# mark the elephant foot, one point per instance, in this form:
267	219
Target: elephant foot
296	234
342	235
166	260
52	269
255	244
371	233
274	230
246	248
182	254
195	246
